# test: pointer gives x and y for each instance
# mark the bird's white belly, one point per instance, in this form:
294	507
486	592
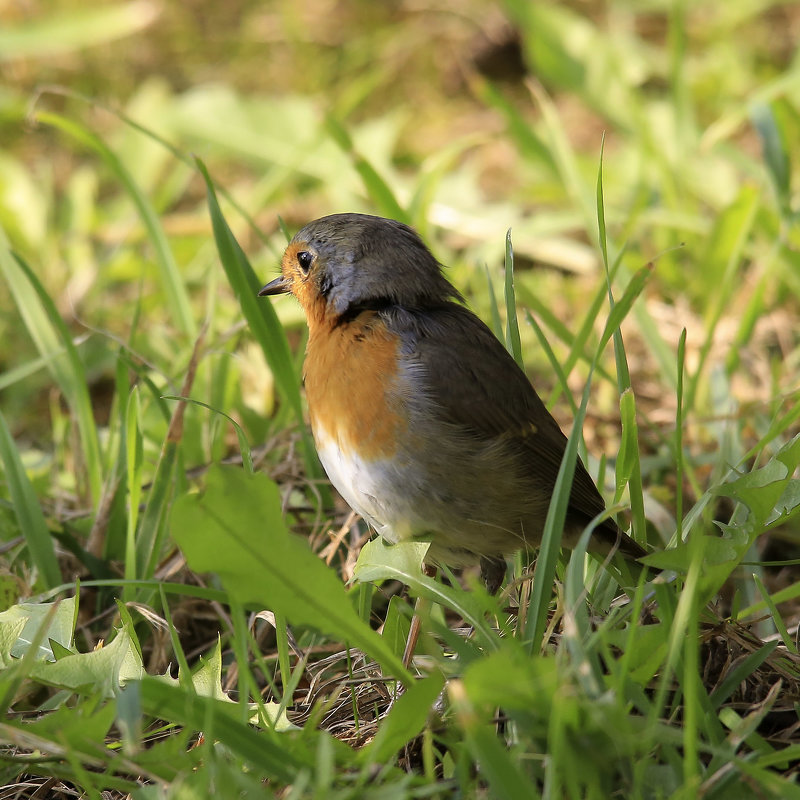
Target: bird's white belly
367	486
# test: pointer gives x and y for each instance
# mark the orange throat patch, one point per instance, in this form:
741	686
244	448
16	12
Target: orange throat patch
352	385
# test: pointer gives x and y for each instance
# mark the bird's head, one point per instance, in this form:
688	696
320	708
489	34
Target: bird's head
342	264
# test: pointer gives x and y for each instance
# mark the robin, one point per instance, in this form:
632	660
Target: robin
422	420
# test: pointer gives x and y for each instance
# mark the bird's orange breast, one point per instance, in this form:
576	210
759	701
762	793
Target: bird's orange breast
352	382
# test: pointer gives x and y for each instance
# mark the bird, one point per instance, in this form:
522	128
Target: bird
422	420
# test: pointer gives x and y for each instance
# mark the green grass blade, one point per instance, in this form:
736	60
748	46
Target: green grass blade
679	418
402	562
27	510
577	626
724	253
495	323
776	154
780	624
682	106
404	722
785	595
564	157
513	344
174	288
282	646
116	533
434	170
134	453
153	530
629	467
687	618
561	376
557	327
545	570
622	307
580	345
17	374
530	144
244	446
261	318
260	750
651	332
184	672
50	335
629	470
601	210
502	771
378	190
743	670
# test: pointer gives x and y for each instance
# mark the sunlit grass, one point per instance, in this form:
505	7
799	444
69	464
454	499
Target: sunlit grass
653	300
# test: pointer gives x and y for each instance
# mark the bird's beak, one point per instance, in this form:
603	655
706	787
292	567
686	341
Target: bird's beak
280	285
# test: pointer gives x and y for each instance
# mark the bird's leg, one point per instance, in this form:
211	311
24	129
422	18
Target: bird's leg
421	605
493	570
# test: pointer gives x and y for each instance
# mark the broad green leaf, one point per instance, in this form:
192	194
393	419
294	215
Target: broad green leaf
207	682
527	685
207	678
10	630
379	560
32	615
716	550
102	671
788	504
235	528
764	488
403	562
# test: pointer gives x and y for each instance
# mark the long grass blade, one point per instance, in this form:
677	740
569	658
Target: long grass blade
28	511
171	279
134	454
261	318
545	570
378	189
513	344
50	334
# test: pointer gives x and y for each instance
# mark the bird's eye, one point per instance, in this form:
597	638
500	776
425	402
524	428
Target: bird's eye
304	259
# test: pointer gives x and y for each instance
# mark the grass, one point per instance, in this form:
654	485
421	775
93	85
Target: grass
188	610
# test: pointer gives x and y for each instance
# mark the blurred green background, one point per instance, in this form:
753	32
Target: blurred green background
464	119
478	116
